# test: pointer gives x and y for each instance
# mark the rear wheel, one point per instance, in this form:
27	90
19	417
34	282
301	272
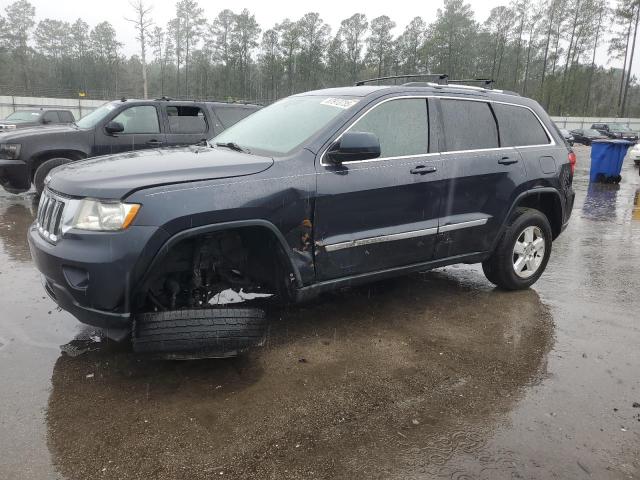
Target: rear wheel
522	252
199	333
43	170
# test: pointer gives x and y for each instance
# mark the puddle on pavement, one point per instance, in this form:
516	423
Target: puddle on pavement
15	218
401	376
635	215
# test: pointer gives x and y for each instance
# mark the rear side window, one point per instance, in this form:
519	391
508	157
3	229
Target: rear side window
519	126
468	125
400	125
51	117
231	115
186	119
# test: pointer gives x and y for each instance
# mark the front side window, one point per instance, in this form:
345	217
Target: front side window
139	120
468	125
519	126
284	126
186	119
400	125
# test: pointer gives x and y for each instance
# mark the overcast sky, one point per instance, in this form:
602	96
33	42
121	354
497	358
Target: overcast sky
267	13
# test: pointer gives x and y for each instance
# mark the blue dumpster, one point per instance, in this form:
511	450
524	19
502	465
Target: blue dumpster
606	160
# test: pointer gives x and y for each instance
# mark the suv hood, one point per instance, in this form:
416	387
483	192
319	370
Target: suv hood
115	176
29	130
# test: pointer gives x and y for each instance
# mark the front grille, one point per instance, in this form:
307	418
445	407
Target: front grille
49	216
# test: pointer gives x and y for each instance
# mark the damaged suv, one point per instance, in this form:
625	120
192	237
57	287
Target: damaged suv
318	191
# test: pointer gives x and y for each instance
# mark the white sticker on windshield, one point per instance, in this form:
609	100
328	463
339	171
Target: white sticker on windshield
339	102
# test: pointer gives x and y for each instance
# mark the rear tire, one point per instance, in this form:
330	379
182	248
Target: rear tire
43	170
199	333
522	252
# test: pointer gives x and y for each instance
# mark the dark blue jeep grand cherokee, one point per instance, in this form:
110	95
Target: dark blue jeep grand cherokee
318	191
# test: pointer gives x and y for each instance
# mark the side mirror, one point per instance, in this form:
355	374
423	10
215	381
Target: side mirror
114	127
354	146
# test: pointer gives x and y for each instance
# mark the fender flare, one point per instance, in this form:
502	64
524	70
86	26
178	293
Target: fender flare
516	201
216	227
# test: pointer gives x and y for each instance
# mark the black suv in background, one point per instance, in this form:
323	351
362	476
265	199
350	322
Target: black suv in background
28	155
35	117
616	130
318	191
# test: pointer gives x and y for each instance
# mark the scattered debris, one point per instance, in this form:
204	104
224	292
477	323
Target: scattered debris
415	422
584	469
302	360
636	405
90	375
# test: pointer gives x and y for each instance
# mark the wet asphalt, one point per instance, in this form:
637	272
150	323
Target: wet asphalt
435	375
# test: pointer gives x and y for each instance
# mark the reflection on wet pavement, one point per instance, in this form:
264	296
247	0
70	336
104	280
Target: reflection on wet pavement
406	374
436	375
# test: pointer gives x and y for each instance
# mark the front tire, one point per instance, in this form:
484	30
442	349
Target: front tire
522	253
199	333
43	170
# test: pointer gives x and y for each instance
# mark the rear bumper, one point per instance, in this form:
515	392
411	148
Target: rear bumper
92	274
14	176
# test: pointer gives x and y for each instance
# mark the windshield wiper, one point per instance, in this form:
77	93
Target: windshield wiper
232	146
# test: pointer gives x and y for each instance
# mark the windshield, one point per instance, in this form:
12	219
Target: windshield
285	125
592	132
619	127
90	120
24	116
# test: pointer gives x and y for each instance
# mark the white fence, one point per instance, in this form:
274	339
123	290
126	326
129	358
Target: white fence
571	123
79	107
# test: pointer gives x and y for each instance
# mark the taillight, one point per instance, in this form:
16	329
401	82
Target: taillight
572	162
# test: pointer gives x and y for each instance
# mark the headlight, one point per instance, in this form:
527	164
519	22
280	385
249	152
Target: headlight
10	151
100	216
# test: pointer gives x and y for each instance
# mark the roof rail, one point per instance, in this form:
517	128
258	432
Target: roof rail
441	77
487	82
164	98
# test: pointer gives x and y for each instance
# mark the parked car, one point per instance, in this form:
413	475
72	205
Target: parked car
567	136
634	154
28	155
35	117
318	191
586	135
616	130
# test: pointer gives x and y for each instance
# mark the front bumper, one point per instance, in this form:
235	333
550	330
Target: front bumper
14	176
92	274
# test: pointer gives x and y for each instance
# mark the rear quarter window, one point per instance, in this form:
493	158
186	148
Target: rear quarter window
231	115
519	126
468	125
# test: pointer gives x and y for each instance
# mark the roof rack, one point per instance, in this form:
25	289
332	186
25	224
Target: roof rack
441	78
487	82
164	98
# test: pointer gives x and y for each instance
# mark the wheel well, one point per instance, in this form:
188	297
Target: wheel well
40	158
547	203
202	265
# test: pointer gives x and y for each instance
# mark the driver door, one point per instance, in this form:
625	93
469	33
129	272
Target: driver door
382	213
142	130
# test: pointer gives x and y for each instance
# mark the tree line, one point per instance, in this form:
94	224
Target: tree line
545	49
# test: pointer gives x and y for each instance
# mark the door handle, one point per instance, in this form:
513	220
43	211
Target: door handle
423	169
507	160
154	142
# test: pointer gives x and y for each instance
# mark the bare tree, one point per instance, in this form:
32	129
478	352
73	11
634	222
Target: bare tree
142	23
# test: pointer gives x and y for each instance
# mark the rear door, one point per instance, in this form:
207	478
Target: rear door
187	124
480	177
382	213
142	130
